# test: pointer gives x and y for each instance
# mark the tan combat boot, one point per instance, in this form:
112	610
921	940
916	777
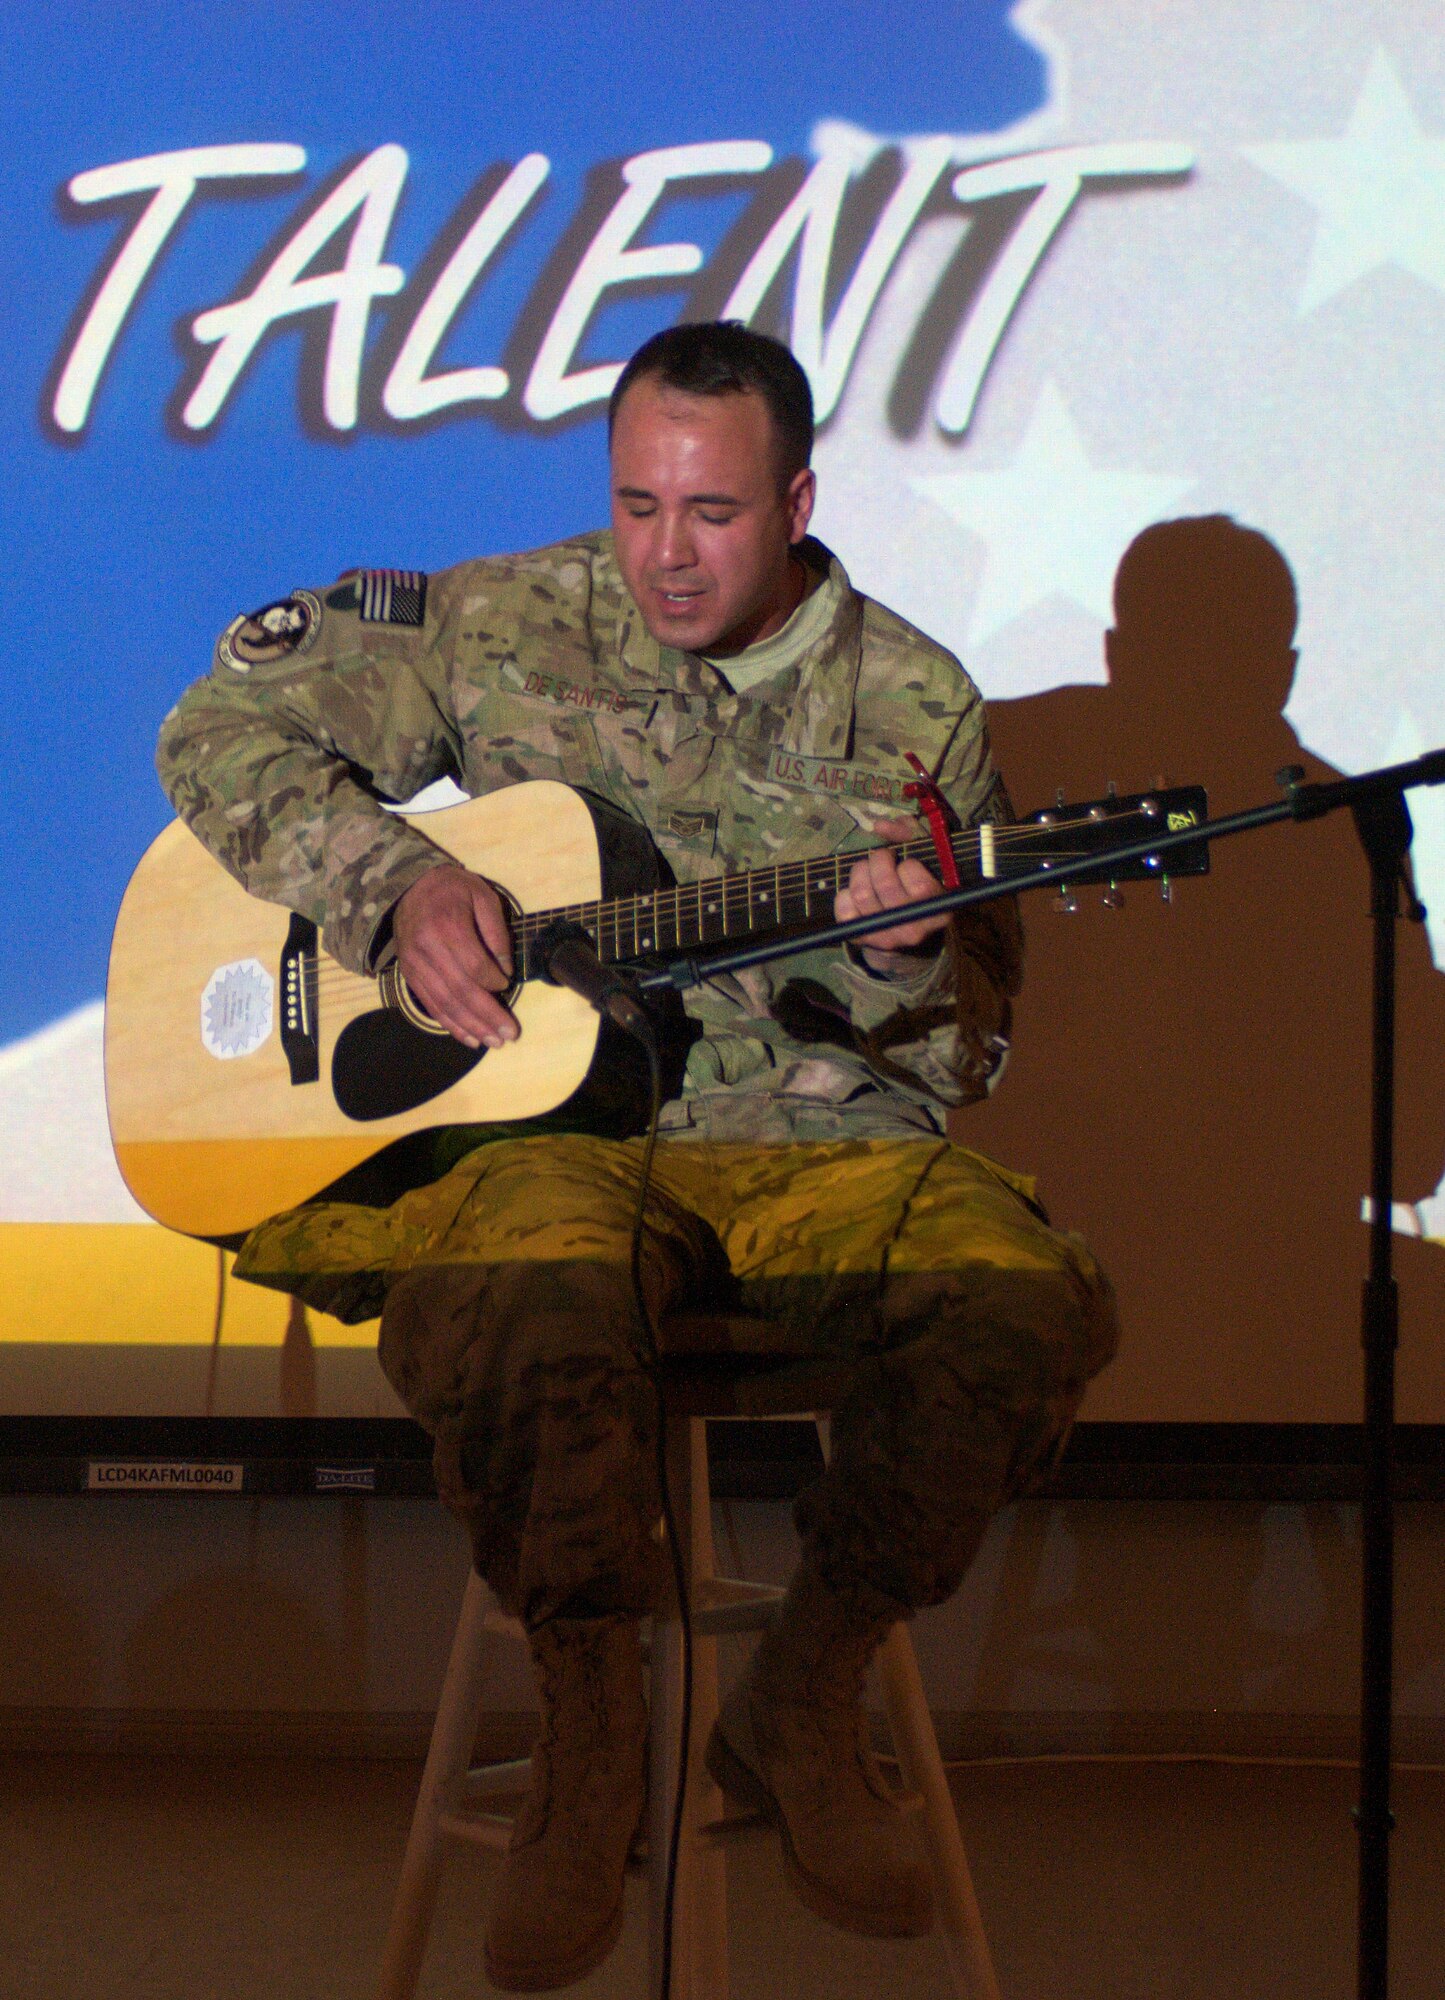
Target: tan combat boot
791	1742
557	1908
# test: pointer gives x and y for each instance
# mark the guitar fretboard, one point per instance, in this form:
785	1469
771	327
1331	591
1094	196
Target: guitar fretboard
798	895
792	896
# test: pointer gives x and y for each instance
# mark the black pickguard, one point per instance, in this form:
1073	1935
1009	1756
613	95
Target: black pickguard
382	1065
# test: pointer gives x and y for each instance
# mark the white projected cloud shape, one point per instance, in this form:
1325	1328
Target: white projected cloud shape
1379	190
1053	524
56	1164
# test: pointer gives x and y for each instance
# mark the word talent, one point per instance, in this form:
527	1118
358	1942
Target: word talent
346	234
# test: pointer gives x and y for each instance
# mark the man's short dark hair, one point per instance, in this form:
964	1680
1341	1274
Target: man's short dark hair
725	358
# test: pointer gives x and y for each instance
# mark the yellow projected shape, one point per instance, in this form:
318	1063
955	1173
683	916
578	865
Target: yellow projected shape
136	1285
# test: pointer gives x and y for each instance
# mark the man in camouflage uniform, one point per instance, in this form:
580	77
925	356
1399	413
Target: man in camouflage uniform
708	669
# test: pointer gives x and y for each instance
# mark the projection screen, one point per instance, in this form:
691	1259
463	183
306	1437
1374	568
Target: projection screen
297	288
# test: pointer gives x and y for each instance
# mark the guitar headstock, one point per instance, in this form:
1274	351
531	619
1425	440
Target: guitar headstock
1099	824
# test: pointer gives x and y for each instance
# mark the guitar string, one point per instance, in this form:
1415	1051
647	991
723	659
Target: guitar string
735	894
789	878
332	981
648	919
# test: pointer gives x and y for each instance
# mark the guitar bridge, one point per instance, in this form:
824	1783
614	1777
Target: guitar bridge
299	1036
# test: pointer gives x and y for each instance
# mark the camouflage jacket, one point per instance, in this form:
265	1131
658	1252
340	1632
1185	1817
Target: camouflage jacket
329	703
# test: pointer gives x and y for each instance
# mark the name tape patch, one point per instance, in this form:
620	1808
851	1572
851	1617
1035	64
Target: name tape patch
575	694
837	780
153	1475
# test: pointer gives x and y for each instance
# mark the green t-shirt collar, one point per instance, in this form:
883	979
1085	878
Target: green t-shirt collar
784	650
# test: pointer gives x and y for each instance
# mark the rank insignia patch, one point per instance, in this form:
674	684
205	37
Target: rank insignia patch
256	640
392	596
699	825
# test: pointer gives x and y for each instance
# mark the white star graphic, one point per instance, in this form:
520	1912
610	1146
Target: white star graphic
1379	190
1054	525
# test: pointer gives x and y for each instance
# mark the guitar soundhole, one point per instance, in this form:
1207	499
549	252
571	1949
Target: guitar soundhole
382	1066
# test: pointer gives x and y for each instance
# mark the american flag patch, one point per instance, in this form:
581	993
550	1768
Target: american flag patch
393	597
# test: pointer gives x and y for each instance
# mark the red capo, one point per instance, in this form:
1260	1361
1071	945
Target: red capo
941	818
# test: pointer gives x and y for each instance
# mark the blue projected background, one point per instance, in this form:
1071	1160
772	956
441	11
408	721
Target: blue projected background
127	550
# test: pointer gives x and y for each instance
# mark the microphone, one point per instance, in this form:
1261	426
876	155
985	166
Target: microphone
569	958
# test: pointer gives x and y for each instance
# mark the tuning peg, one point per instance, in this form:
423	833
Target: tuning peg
1112	789
1113	897
1065	903
1166	889
1059	798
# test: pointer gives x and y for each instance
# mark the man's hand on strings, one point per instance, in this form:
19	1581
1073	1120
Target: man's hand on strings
455	953
880	881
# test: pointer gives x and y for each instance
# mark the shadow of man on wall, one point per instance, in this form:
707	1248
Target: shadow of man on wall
1191	1081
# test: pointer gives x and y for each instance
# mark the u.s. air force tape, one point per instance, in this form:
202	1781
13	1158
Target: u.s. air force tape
382	596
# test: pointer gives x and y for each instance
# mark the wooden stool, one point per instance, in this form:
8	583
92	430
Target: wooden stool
451	1800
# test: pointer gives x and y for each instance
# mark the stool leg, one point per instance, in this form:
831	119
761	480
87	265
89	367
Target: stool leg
914	1737
664	1729
699	1960
970	1965
709	1938
452	1741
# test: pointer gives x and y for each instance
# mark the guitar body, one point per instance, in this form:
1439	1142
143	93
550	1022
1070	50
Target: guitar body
245	1071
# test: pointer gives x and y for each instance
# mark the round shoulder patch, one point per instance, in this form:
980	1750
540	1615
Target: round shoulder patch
256	640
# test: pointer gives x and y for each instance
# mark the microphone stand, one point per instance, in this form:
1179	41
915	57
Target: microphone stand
1377	802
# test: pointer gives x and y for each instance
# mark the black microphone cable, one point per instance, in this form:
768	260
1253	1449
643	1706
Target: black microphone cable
568	957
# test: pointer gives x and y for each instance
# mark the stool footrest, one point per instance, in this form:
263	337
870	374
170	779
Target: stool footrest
720	1832
737	1590
729	1604
494	1780
717	1618
482	1829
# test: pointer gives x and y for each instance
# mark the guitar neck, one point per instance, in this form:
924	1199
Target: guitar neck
797	896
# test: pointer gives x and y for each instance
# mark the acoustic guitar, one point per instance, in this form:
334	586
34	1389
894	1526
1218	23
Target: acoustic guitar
247	1071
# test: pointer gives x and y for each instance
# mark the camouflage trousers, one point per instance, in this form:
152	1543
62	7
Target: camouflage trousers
960	1330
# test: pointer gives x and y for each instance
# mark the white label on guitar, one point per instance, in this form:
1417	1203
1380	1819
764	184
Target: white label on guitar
237	1008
